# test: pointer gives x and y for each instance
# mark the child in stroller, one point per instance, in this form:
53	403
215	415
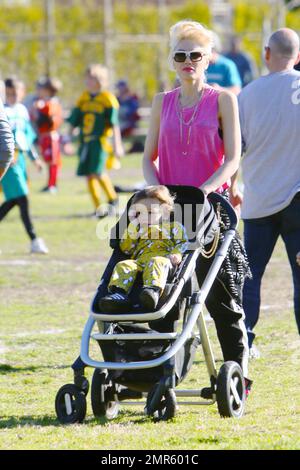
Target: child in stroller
148	354
155	245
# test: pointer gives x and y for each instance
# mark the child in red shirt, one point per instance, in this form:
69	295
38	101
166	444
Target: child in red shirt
48	116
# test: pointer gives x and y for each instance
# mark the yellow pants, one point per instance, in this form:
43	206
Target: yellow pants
94	183
155	273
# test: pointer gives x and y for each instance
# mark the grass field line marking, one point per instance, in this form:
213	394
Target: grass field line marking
16	262
53	331
26	262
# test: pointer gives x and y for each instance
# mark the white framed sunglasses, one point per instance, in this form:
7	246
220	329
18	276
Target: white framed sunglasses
194	56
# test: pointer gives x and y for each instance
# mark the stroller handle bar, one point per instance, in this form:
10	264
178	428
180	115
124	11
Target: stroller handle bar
195	311
218	198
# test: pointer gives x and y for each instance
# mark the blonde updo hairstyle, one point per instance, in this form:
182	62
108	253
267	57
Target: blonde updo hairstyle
189	30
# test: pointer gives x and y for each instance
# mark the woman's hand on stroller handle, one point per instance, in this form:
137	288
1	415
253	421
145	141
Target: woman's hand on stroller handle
204	190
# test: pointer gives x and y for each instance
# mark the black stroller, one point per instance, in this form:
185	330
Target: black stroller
149	354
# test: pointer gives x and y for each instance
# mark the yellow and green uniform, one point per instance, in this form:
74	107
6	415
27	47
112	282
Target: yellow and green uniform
149	249
95	115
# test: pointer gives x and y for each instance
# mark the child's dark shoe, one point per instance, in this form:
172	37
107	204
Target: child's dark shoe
117	302
149	298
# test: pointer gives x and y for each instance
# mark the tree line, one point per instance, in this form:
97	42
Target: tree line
23	45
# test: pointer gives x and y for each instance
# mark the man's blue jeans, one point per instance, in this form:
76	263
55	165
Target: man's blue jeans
260	236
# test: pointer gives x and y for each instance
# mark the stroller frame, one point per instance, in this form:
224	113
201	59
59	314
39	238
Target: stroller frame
232	385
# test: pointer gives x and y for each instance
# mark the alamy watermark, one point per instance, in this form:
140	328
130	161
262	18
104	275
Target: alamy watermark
191	216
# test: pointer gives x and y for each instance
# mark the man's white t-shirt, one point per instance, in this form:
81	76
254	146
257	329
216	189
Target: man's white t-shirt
270	124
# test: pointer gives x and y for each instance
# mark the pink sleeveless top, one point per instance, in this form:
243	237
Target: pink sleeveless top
189	156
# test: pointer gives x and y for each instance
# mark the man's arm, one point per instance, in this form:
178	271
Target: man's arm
6	142
235	195
117	142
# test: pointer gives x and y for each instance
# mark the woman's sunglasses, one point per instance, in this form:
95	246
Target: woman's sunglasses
194	56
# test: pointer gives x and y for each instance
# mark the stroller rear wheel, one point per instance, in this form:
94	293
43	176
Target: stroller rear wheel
102	396
231	392
70	404
166	407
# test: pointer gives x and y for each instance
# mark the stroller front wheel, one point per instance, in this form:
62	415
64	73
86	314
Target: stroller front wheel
231	392
102	396
166	407
70	404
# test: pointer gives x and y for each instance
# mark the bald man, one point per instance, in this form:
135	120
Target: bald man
270	125
6	142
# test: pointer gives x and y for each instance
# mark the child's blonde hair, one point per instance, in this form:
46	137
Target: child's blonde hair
190	30
100	73
160	192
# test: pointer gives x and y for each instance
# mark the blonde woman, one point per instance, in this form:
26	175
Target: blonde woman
194	136
96	115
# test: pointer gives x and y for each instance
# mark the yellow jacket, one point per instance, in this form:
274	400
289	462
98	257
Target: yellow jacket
143	243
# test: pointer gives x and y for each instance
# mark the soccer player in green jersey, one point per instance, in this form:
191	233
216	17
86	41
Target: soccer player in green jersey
96	115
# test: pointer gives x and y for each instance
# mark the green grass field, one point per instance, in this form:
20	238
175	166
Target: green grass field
44	304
